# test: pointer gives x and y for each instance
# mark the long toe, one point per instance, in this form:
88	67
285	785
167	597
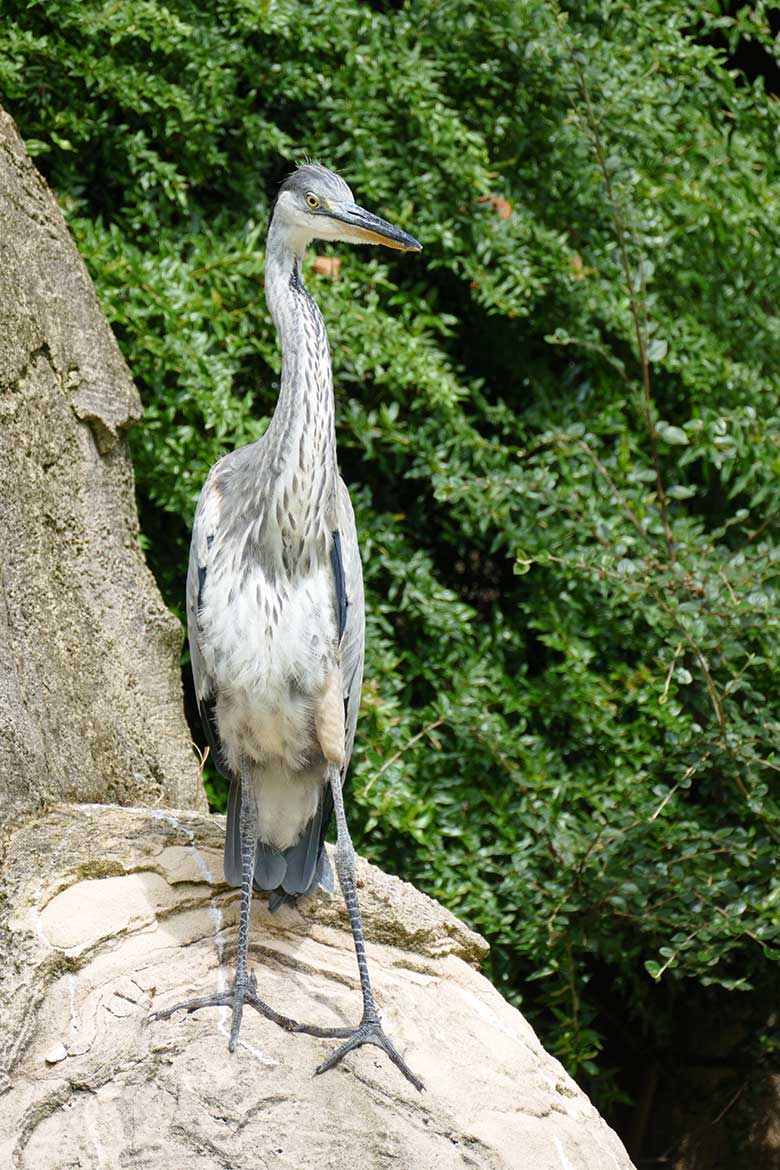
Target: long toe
370	1032
218	999
240	993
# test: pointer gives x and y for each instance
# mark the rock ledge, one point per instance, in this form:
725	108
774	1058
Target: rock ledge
113	912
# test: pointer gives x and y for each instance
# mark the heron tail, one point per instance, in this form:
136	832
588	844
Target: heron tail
291	873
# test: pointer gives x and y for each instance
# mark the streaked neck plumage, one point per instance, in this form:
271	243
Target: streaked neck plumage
302	431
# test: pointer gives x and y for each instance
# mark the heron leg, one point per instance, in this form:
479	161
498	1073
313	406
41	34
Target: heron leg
244	988
369	1030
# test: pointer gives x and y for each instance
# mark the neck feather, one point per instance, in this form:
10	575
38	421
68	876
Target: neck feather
302	431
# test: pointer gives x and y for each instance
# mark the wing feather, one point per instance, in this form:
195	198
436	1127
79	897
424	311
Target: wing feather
353	636
204	530
350	609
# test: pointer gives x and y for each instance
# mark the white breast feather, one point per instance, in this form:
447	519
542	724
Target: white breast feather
276	649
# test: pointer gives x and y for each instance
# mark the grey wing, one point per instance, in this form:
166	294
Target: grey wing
353	637
204	530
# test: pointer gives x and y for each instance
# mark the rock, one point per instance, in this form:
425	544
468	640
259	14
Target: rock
57	1053
115	912
90	690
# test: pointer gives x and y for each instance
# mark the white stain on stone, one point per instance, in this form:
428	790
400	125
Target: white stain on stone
100	1154
198	857
74	1012
603	1148
215	914
488	1015
161	815
565	1163
225	1015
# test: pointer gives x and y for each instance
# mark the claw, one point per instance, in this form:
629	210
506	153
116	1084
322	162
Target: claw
369	1031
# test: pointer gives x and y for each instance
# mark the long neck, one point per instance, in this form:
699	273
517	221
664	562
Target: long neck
301	434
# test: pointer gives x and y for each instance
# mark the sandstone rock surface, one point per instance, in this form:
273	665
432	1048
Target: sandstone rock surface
90	692
115	912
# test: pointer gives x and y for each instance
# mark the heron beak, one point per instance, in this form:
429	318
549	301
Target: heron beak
367	228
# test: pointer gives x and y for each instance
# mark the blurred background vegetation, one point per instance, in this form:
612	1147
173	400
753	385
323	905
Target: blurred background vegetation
561	429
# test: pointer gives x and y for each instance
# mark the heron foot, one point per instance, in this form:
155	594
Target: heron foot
243	991
368	1031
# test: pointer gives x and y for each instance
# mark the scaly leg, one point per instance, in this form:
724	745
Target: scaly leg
244	989
369	1030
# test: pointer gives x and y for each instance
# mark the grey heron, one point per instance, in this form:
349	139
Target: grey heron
276	617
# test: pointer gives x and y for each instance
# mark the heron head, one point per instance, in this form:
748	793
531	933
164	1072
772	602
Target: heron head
316	204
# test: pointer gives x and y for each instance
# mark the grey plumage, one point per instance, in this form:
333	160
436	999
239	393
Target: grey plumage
275	612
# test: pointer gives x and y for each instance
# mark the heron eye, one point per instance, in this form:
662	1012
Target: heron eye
312	201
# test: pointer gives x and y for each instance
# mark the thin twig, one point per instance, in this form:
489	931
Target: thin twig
727	583
397	755
637	312
667	684
602	470
676	952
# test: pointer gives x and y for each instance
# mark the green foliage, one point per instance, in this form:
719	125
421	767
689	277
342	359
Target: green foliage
560	425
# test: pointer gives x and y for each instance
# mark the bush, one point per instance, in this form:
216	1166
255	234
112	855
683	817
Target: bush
560	426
